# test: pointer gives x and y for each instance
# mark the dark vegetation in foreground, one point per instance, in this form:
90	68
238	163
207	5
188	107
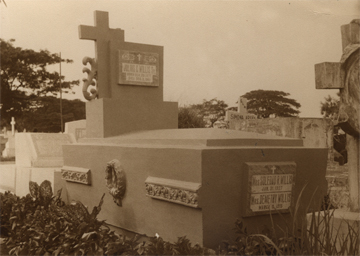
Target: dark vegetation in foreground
42	224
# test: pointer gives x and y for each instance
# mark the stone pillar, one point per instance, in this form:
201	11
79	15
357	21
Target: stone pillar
344	75
352	147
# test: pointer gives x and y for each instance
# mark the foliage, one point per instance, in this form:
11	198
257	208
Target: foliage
188	118
330	107
41	224
44	116
24	77
266	103
210	110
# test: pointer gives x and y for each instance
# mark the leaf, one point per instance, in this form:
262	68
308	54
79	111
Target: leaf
57	251
13	225
46	190
34	190
87	236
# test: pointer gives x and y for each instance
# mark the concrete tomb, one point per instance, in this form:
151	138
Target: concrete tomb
77	128
39	157
197	182
176	182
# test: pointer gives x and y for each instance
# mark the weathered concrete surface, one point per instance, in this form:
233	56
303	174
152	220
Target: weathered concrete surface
124	106
349	110
7	176
77	128
315	132
38	157
212	158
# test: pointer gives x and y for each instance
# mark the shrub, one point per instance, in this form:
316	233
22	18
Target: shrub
41	224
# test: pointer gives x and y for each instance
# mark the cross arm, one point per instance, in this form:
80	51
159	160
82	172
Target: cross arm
87	32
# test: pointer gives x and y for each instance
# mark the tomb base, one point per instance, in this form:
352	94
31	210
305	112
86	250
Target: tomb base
110	117
197	182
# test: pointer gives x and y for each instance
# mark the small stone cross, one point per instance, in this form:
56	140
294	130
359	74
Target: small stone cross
102	35
139	56
13	125
273	169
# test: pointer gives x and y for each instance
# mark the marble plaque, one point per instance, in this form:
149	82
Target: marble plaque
269	187
138	68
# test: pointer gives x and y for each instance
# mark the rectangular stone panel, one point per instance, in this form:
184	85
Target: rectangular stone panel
175	191
76	174
269	187
138	68
236	116
328	75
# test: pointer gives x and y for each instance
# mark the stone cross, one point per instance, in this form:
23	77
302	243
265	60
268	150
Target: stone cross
102	35
344	75
242	106
12	126
128	78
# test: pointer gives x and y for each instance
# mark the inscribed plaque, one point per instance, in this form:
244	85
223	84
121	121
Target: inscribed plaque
138	68
270	187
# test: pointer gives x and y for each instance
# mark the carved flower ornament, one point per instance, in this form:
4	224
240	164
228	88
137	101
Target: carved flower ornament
115	180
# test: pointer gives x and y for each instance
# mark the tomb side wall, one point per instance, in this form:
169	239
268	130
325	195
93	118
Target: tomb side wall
224	178
139	213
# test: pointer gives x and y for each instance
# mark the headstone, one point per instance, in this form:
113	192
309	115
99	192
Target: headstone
77	128
241	115
344	75
180	182
129	84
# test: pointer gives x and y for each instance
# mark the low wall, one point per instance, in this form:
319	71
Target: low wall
315	132
7	176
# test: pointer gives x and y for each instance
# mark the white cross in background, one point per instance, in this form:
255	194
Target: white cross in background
12	126
273	169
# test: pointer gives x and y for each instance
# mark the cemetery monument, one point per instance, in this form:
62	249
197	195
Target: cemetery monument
344	75
176	182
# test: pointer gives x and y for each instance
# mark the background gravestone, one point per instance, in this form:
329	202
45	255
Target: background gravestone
344	75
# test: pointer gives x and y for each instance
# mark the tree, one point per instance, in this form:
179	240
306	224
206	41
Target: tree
188	118
45	116
24	77
210	110
330	107
266	103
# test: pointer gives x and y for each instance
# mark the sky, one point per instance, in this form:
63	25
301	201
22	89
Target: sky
220	49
